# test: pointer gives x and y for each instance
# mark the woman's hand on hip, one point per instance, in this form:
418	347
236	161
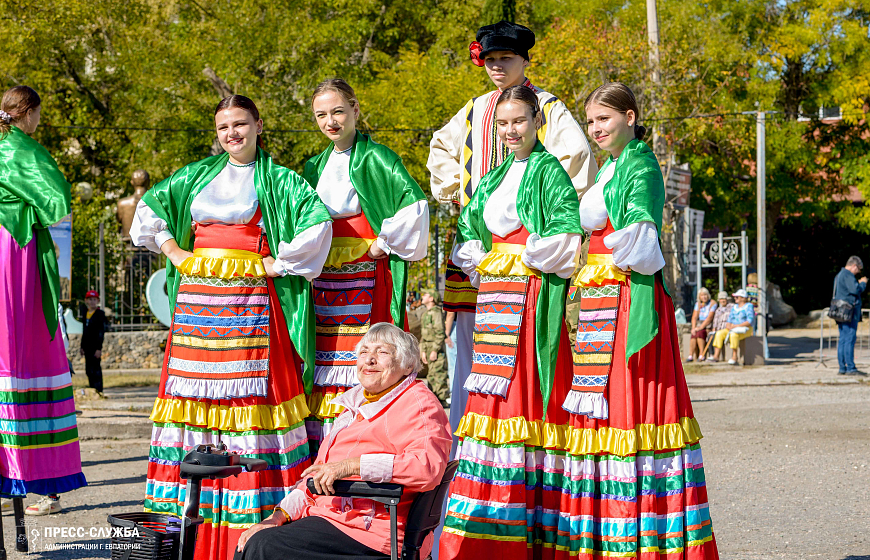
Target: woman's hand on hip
325	474
376	252
275	520
174	253
269	263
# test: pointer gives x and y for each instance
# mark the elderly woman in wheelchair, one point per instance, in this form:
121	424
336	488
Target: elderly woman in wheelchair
393	429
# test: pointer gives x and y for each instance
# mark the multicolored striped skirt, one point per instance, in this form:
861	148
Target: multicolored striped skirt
351	294
503	496
39	442
551	484
231	375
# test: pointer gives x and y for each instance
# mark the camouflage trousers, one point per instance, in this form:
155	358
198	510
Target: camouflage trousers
437	377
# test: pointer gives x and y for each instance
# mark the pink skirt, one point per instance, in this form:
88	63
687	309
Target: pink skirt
39	442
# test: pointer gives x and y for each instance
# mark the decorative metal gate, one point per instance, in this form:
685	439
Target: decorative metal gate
719	252
125	288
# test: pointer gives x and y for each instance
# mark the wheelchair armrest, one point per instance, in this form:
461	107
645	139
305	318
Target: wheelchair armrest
362	489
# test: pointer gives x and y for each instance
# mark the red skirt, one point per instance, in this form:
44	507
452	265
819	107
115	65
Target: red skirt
565	486
213	390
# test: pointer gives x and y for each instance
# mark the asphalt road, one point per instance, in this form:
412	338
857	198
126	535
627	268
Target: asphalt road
788	472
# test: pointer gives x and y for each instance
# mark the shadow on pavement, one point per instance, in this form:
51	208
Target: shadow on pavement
143	458
115	481
851	557
116	507
792	348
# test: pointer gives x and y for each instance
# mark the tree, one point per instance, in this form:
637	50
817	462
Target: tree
133	84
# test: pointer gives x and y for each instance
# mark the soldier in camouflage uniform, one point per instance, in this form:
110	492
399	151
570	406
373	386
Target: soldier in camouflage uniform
432	346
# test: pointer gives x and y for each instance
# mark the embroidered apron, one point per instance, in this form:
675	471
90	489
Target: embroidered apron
219	347
501	301
599	283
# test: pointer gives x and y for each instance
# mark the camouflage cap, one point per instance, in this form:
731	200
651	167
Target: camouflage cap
434	293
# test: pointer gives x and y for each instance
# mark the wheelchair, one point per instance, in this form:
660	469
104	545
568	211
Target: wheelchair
154	536
423	518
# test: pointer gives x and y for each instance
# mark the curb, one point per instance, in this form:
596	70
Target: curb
108	424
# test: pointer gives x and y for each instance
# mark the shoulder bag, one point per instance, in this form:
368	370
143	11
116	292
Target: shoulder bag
840	310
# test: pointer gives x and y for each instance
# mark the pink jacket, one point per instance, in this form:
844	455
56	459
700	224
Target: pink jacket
403	438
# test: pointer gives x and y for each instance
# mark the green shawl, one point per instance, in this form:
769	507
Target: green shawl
636	193
289	206
547	205
33	196
384	187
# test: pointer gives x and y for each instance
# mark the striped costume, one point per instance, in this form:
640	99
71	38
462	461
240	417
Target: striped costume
520	235
39	444
239	347
373	200
461	153
633	454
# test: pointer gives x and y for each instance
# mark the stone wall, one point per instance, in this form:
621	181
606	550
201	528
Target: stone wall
123	350
682	330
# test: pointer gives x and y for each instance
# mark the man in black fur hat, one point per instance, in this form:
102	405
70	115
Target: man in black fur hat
468	147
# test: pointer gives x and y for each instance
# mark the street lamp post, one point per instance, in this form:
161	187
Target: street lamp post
761	175
102	267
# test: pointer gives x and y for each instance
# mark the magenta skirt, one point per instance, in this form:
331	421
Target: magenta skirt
39	442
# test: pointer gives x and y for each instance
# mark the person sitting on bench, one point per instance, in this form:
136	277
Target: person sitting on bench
392	429
738	327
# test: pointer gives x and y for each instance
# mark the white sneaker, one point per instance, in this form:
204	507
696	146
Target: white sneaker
45	506
732	362
689	358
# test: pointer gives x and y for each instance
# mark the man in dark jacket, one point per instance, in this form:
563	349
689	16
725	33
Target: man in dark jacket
846	287
93	332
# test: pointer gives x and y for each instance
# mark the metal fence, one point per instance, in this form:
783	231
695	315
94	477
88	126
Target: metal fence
829	336
125	288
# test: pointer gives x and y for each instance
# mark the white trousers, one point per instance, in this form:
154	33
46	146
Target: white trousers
464	354
458	396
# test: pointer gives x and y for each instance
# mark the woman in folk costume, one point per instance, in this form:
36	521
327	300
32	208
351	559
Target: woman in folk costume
468	147
519	238
381	223
633	454
242	335
40	446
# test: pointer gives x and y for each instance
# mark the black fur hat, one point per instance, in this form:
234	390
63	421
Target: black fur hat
506	36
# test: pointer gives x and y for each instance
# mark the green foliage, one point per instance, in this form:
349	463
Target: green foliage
725	57
111	72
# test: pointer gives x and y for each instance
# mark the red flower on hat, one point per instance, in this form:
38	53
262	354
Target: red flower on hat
474	49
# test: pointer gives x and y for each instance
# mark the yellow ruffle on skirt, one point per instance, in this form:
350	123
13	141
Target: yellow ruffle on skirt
505	259
231	419
580	441
321	405
223	263
345	250
598	270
